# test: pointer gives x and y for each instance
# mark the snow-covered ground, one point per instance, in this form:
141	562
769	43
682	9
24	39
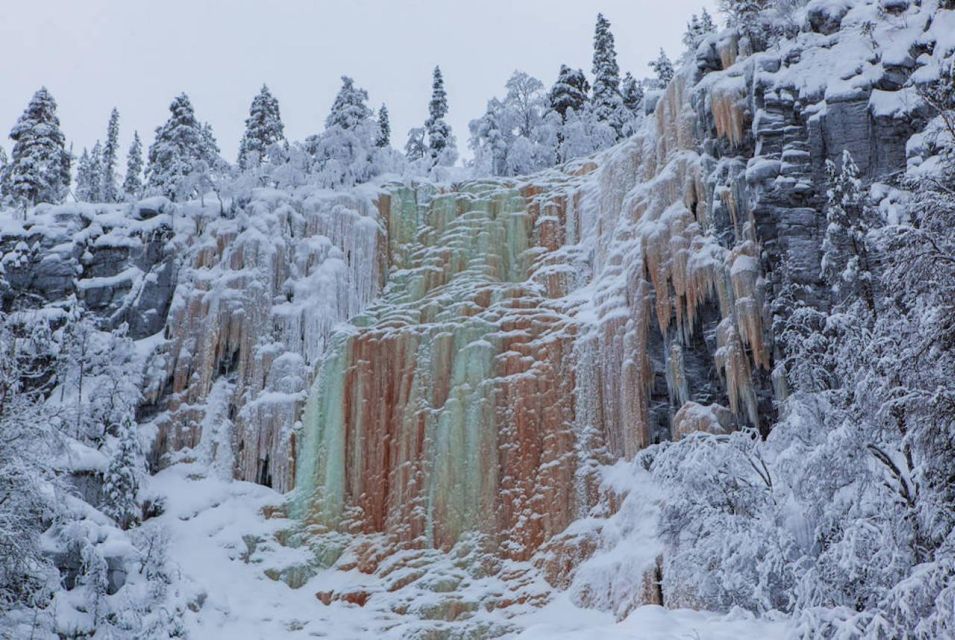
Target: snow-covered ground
210	521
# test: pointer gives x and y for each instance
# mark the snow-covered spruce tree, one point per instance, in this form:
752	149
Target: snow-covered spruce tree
632	93
345	153
707	25
570	91
697	29
183	156
383	139
109	188
96	173
85	189
123	477
607	103
94	579
350	108
845	261
691	37
133	183
39	169
441	144
663	67
263	129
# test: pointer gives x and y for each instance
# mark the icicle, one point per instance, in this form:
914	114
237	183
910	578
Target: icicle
728	49
726	105
731	359
676	375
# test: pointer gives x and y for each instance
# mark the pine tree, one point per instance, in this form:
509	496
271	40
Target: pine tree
39	169
632	93
569	92
350	108
123	477
439	131
706	22
133	183
85	189
263	128
109	190
383	139
696	29
663	68
96	173
692	33
845	261
183	153
345	152
608	105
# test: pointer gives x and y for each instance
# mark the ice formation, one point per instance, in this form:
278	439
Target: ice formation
257	300
528	333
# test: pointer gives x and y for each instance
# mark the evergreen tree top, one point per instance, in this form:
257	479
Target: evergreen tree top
182	115
605	54
570	91
350	107
110	151
663	68
632	92
383	138
263	128
264	105
39	169
39	118
438	107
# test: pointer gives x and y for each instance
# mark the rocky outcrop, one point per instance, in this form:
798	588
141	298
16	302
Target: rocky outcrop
120	268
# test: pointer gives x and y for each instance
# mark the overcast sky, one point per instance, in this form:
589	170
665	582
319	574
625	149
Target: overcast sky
135	55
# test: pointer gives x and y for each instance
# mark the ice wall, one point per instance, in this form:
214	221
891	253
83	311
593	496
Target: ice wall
448	406
257	298
527	334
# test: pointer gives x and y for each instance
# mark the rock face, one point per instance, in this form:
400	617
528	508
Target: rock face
121	269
